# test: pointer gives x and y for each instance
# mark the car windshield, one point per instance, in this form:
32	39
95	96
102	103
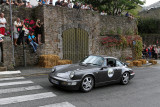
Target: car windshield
93	60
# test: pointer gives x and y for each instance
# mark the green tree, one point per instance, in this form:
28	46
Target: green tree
113	7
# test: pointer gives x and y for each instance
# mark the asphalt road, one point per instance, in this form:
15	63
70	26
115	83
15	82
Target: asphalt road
142	91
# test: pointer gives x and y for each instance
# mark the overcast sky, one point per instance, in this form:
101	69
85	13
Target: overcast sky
149	2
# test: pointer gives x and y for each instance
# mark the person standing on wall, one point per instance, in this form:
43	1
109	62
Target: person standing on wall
2	23
38	31
17	25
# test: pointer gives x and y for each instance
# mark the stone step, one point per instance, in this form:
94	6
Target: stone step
3	69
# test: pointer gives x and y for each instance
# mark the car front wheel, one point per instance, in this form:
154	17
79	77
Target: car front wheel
125	78
87	83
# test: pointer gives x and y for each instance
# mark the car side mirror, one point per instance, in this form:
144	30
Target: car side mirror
103	67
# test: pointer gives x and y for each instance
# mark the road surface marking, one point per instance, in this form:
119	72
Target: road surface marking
15	83
15	78
17	99
10	72
10	90
63	104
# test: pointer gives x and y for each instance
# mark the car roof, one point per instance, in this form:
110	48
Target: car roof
104	56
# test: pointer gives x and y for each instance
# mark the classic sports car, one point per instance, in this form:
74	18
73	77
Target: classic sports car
91	72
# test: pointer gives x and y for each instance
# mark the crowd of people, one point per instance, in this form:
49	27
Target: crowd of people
151	52
21	31
61	3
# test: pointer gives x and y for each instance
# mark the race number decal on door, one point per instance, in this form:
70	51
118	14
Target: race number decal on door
110	73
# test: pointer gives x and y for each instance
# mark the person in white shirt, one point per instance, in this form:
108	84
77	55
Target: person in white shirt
70	4
17	24
85	7
103	13
2	23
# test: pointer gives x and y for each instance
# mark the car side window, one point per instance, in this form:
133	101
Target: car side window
111	62
119	64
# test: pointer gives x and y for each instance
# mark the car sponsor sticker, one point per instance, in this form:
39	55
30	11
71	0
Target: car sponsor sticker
110	72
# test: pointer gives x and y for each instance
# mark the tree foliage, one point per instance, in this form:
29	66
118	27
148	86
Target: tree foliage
113	7
148	26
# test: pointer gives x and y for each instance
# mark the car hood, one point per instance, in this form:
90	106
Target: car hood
64	71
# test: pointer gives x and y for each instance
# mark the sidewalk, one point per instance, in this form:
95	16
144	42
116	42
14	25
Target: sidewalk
33	70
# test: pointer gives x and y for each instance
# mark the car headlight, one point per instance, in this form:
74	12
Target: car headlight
53	69
72	74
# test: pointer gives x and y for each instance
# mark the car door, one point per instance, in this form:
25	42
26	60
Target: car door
108	73
113	71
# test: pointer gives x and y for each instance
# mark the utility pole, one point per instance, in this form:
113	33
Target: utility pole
11	32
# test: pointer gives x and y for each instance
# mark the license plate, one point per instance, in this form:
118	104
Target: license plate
55	82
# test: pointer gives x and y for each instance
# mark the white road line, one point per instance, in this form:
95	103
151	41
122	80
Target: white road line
17	99
15	78
15	83
10	72
10	90
63	104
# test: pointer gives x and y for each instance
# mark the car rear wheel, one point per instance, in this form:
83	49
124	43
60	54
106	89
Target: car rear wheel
125	78
87	83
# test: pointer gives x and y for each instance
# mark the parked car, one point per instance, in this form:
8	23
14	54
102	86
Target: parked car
91	72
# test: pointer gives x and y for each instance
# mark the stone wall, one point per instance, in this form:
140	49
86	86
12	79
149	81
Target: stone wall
58	19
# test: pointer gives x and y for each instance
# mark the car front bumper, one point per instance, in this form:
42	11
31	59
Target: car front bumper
132	75
65	83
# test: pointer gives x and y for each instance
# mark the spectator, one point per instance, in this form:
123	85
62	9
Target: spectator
19	2
43	2
70	4
2	23
81	6
149	52
103	13
38	31
119	13
28	5
7	2
156	52
58	3
17	24
96	9
47	1
21	33
76	6
153	52
127	14
39	2
63	3
32	41
85	7
50	1
91	7
1	40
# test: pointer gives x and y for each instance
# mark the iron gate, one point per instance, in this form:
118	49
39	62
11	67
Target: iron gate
75	44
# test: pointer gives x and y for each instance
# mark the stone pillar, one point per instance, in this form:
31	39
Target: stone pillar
7	53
